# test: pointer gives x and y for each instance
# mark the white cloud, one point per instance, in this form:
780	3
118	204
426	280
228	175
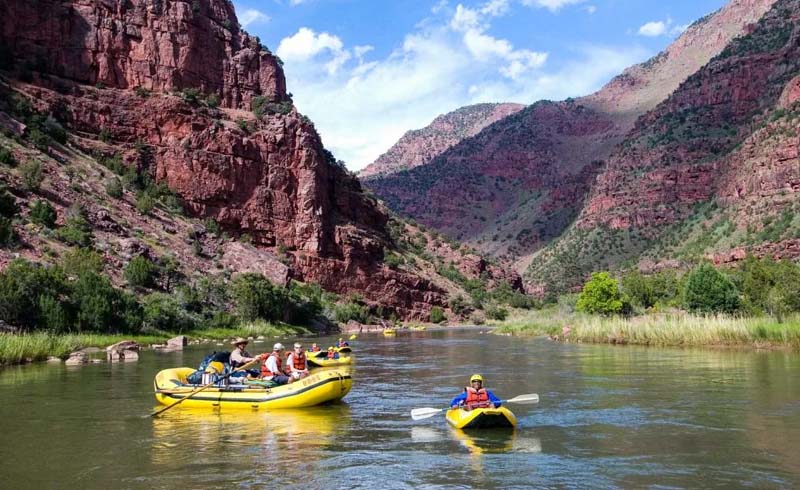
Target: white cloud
306	44
362	103
590	9
296	2
252	16
653	29
551	5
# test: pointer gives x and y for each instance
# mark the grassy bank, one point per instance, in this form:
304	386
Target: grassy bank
658	329
38	346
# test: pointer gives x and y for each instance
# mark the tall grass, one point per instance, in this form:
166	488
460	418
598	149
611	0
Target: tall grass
29	347
663	329
38	346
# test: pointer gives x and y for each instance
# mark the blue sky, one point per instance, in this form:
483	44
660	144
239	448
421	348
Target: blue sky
366	71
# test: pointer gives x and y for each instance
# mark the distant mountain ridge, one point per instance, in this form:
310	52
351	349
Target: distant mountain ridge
520	183
420	146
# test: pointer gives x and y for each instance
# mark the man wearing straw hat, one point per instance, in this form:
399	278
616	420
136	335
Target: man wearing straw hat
240	357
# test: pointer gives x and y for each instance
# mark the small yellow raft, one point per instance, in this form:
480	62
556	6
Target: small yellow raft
320	359
481	418
320	387
344	349
389	332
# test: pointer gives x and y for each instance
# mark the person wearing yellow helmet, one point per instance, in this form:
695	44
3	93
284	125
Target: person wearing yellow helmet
475	396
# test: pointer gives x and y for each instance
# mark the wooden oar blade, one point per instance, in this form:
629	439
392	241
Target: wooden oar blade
532	398
424	413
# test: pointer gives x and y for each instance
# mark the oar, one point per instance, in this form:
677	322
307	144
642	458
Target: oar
424	413
209	385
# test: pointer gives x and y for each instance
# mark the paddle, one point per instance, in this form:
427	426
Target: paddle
424	413
204	387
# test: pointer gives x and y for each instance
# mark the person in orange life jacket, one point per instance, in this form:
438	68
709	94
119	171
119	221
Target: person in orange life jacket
342	343
475	396
296	363
332	354
271	368
315	348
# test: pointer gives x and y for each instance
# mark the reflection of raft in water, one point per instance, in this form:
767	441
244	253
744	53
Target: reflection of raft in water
321	387
320	359
481	418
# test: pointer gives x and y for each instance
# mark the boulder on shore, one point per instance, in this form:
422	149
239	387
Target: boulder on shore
177	343
77	359
126	350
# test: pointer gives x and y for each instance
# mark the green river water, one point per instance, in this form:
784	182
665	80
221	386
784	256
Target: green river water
609	417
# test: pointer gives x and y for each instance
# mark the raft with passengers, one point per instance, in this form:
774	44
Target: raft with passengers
239	380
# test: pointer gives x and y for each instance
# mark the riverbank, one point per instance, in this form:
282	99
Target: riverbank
38	346
656	329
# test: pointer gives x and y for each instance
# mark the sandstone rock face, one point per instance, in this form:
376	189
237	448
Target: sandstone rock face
243	258
268	178
519	183
177	343
158	45
419	147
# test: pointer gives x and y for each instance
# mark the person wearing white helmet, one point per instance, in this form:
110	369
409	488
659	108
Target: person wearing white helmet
272	370
296	363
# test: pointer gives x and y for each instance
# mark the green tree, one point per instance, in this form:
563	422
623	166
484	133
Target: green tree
710	291
114	188
601	294
6	232
141	272
53	316
43	213
80	261
255	297
437	315
7	158
8	204
145	203
32	176
163	312
495	312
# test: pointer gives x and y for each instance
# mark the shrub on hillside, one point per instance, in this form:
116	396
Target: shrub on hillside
7	158
43	213
76	230
6	232
8	204
345	312
21	285
80	261
32	175
163	312
254	297
710	291
437	315
601	295
114	188
495	312
145	203
141	272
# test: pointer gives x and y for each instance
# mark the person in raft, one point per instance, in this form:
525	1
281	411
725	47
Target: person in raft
332	354
475	396
240	357
271	368
342	343
296	363
315	347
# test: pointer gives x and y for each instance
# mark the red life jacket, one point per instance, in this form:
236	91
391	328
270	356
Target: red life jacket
477	398
265	372
331	354
315	349
299	361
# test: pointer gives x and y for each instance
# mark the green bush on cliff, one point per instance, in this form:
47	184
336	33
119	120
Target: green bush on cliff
345	312
114	188
7	158
254	298
6	232
80	261
601	294
141	272
43	213
76	230
8	204
32	176
437	315
710	291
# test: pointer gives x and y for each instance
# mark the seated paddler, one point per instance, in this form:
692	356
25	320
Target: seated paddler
240	357
475	396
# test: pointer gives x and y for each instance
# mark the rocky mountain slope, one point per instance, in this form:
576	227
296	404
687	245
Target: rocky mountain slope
520	183
711	171
420	146
187	108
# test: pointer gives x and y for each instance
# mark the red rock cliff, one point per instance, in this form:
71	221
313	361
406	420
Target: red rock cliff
268	177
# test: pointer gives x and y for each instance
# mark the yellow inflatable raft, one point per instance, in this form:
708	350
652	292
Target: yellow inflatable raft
344	349
320	387
320	359
481	418
389	332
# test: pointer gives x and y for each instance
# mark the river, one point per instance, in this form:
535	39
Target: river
609	417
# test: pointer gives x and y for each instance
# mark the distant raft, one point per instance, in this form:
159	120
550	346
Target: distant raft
481	418
320	359
320	387
389	332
